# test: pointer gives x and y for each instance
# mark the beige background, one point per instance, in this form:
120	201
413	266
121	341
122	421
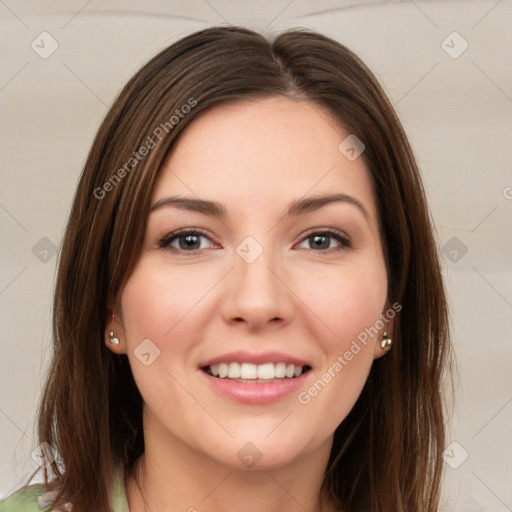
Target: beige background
457	112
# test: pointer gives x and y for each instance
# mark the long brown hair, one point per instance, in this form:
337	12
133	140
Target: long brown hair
387	453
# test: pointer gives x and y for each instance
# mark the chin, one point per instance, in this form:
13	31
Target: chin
259	454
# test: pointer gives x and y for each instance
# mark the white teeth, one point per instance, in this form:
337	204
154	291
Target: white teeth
223	370
280	370
250	371
234	371
266	371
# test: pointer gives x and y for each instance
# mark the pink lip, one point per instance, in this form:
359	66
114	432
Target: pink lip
247	357
256	394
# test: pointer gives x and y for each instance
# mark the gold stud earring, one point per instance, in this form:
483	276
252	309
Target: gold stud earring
113	340
386	342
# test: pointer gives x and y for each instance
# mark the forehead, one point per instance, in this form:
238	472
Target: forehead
263	152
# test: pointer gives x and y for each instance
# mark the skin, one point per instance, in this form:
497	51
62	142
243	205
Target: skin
254	157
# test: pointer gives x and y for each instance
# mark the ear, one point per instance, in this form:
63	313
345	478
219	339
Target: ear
113	331
388	319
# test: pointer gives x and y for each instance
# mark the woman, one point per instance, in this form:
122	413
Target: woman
249	311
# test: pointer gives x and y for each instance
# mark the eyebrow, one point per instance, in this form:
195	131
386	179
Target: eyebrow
297	207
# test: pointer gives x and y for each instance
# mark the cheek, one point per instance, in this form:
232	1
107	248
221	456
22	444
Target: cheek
155	300
154	305
163	305
347	303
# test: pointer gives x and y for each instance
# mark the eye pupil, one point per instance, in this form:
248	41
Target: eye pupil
189	241
316	238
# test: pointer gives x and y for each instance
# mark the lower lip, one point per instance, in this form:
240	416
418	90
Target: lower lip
255	393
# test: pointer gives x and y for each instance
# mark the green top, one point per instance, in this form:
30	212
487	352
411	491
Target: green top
34	498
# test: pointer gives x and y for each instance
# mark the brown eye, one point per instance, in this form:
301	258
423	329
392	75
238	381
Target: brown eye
320	241
188	241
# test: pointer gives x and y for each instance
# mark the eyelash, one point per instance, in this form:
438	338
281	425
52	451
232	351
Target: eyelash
330	233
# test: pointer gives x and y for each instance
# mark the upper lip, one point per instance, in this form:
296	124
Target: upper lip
255	358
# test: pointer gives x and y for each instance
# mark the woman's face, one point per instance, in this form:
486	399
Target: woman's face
263	285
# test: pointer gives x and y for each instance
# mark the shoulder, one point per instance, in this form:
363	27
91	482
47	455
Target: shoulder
36	498
32	498
24	499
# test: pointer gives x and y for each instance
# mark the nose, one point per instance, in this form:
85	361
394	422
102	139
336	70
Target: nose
258	293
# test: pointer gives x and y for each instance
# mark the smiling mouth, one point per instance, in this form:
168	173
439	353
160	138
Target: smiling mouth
255	374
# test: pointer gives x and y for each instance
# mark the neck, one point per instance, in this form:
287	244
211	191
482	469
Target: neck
173	476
